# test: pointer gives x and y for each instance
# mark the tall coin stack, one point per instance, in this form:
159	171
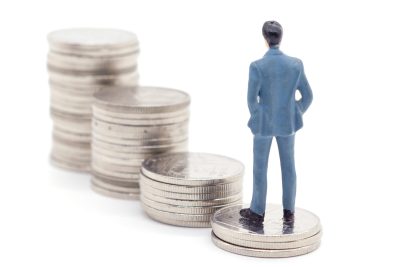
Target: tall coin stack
274	238
129	125
185	189
81	62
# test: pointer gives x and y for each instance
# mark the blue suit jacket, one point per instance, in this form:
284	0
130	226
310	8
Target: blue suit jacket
273	81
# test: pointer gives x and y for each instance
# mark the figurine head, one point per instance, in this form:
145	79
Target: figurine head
272	32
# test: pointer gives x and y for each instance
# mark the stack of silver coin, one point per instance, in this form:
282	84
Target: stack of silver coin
185	189
81	62
274	238
129	125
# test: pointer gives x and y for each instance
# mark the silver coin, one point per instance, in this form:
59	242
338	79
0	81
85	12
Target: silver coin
67	97
70	166
263	253
124	144
93	42
140	152
75	108
183	196
140	116
137	154
79	127
180	209
115	162
95	53
154	134
85	91
122	175
128	184
112	187
142	100
120	183
126	78
136	132
73	130
95	73
228	222
114	194
73	158
192	169
113	129
177	216
120	157
142	122
62	115
82	63
115	180
71	108
271	245
65	101
68	135
76	151
194	203
81	112
85	138
142	147
71	155
71	144
79	90
115	167
160	218
229	187
69	161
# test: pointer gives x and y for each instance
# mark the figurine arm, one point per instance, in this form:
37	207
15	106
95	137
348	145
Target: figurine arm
305	91
253	88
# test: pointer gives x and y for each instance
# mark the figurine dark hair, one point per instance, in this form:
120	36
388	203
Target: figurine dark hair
272	32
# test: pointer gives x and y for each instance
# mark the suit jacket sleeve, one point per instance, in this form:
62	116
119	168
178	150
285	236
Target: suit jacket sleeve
253	88
305	91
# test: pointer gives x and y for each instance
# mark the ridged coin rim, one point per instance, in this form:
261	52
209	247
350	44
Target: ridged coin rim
263	253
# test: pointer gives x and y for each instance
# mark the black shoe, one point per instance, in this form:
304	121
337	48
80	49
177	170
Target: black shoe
288	216
287	227
251	216
257	227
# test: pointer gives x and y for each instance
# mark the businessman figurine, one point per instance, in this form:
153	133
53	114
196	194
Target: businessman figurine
273	81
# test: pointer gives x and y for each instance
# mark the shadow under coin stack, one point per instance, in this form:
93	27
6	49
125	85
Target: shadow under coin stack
129	125
81	62
275	238
185	189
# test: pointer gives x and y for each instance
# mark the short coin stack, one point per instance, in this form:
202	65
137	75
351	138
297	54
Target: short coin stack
81	62
185	189
129	125
274	238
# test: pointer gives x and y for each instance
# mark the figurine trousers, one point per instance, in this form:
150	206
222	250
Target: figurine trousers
261	149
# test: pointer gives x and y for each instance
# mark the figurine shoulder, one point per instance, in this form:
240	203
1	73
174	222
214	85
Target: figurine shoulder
255	66
296	61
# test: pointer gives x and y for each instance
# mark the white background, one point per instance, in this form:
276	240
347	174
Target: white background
347	154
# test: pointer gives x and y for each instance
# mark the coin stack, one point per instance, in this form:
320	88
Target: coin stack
185	189
81	62
275	238
129	125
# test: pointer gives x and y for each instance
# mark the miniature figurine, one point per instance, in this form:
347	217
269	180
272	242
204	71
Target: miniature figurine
273	81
